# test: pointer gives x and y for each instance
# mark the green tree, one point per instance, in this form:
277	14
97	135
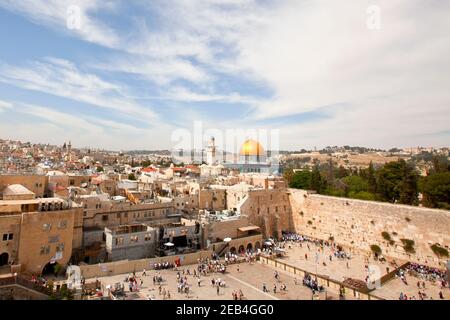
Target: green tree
362	195
371	180
355	184
131	176
397	181
440	164
318	183
342	172
409	185
435	189
301	180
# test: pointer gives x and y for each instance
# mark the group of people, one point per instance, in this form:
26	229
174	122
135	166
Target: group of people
164	266
337	251
422	296
182	284
133	283
312	283
206	266
428	273
157	279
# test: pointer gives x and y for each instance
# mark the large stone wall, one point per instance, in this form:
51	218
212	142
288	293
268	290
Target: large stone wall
359	224
269	209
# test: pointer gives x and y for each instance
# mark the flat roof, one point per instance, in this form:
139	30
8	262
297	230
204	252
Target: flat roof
249	228
29	201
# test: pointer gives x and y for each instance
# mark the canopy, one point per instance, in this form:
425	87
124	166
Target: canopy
169	244
227	239
249	228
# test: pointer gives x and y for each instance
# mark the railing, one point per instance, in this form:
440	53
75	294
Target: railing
222	250
16	280
391	275
321	279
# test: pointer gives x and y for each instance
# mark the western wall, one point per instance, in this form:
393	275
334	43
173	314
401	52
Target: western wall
359	224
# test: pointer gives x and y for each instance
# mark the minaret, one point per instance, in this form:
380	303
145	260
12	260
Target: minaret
211	152
69	151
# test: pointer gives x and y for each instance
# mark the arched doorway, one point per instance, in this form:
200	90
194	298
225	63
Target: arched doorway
49	269
233	250
241	249
257	245
4	257
249	247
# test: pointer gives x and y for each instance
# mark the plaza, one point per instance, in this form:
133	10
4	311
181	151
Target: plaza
249	279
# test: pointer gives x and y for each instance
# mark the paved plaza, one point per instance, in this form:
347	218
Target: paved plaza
392	289
336	269
249	279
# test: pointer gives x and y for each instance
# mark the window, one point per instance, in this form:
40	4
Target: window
10	236
126	214
5	237
134	239
118	215
119	241
72	182
148	237
268	210
53	239
62	224
60	247
45	250
276	209
105	217
47	226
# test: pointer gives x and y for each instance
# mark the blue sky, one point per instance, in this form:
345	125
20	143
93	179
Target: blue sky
136	71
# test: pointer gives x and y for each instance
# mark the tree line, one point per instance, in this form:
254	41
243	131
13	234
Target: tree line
395	182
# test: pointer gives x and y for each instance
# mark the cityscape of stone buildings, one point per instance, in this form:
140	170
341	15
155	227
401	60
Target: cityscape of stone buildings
61	206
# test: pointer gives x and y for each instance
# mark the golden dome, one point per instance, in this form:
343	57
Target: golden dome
252	148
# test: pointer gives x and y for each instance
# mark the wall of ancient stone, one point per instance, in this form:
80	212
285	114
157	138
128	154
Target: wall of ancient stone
269	209
360	224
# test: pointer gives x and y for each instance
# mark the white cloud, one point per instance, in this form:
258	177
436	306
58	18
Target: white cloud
310	54
4	105
63	78
54	13
49	125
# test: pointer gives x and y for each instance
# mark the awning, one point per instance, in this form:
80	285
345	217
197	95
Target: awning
249	228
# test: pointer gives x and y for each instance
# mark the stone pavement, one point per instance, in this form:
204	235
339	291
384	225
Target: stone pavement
336	268
249	279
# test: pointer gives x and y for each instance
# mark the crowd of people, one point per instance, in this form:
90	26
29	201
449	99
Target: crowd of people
337	251
312	283
206	266
164	266
427	273
182	283
134	284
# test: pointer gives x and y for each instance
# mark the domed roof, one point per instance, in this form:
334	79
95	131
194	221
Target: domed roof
251	148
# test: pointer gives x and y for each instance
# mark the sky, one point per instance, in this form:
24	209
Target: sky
123	75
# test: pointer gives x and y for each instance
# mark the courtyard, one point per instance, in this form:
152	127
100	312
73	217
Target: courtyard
249	279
